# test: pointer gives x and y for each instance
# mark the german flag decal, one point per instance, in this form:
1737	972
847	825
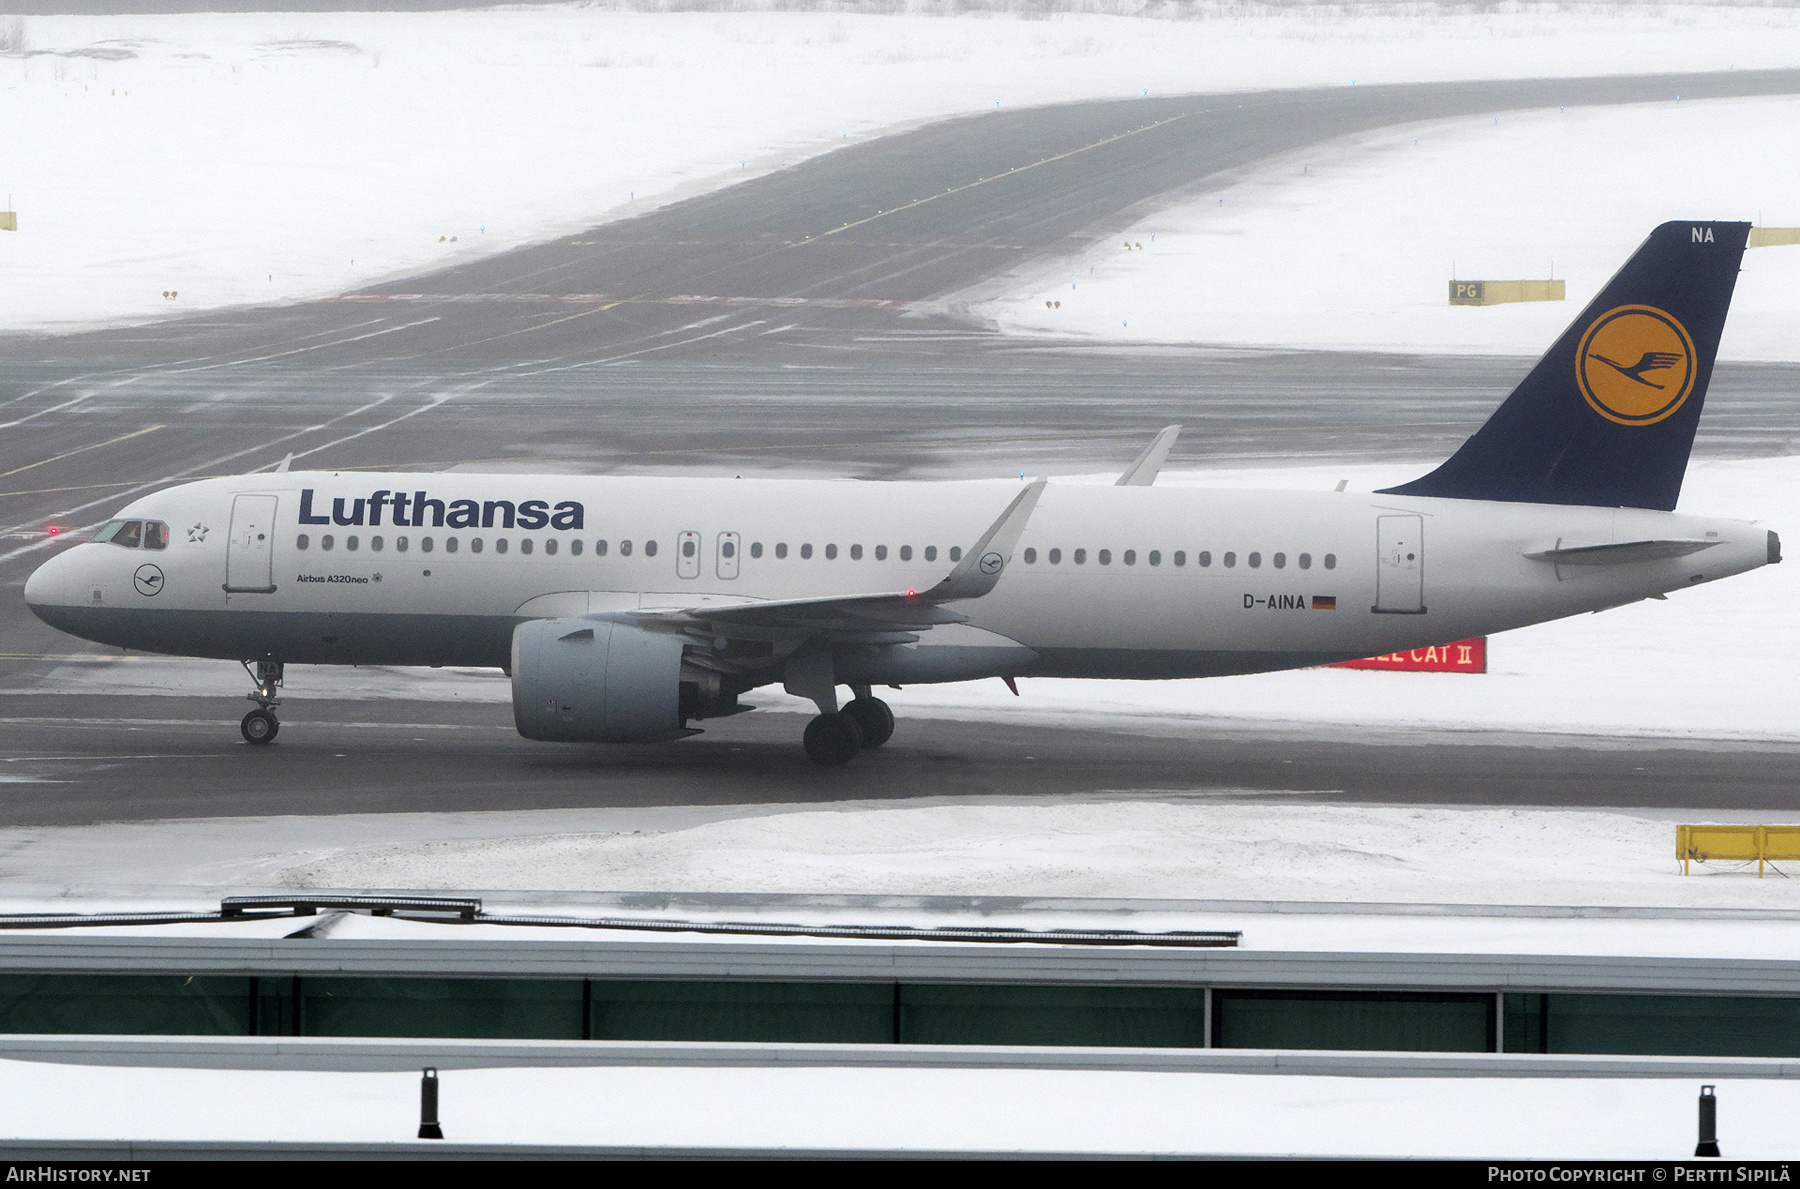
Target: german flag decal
1324	602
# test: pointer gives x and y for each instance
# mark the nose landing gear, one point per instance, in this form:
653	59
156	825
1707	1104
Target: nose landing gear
260	725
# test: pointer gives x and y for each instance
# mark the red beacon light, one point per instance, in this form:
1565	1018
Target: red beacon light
54	529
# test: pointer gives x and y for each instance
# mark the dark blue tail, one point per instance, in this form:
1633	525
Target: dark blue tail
1607	416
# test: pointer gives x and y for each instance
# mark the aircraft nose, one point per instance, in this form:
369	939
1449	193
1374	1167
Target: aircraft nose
48	586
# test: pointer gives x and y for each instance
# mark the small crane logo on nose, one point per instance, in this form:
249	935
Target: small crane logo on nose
148	580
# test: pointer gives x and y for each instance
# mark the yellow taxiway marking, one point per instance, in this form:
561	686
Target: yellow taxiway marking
136	433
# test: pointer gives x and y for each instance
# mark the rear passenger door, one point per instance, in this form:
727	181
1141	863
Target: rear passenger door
1400	565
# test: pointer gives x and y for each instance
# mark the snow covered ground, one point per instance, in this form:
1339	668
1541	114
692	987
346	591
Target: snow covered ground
1199	847
1212	844
912	1109
235	159
1352	244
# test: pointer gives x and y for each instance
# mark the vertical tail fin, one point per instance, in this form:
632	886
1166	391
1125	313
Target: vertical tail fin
1607	416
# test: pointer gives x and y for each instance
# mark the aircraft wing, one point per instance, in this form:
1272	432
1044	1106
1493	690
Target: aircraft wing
883	618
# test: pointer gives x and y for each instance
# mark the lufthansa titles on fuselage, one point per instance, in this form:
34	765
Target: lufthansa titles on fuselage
419	509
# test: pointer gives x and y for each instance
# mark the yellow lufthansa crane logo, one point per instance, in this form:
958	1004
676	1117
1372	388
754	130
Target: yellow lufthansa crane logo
1635	365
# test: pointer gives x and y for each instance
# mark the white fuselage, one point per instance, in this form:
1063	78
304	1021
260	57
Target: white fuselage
1146	581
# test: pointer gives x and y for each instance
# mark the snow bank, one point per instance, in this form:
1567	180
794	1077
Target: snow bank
911	1109
256	158
1352	244
1175	847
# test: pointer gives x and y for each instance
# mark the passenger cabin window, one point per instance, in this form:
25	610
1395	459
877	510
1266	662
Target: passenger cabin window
856	553
931	553
1230	559
756	549
1280	560
575	548
1180	558
1305	561
624	548
351	543
806	551
1331	561
649	548
474	544
956	553
1205	557
906	553
1055	556
550	547
599	548
450	544
1155	557
881	553
1130	558
400	544
425	544
326	542
1030	556
831	553
1104	557
500	545
1255	561
375	544
1081	557
302	541
781	549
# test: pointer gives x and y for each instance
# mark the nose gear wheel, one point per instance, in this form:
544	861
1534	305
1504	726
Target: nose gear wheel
260	726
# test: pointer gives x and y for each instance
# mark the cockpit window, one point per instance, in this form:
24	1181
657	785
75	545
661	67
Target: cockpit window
129	534
156	535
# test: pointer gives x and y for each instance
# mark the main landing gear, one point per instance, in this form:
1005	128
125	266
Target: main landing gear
833	739
260	725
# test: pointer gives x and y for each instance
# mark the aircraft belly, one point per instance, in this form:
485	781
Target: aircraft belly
309	638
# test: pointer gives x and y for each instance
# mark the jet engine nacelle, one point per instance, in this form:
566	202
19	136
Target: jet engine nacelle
590	681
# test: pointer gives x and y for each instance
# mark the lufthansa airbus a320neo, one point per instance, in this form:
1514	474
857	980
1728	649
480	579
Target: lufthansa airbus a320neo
625	609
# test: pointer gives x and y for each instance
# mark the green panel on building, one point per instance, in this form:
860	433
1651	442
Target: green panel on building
1653	1025
1410	1022
134	1004
495	1009
843	1013
1149	1017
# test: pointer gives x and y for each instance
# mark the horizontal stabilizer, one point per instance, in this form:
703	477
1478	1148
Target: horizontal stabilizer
1624	553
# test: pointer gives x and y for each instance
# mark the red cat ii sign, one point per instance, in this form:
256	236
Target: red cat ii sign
1461	656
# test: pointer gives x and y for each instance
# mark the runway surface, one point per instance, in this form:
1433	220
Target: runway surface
794	323
77	761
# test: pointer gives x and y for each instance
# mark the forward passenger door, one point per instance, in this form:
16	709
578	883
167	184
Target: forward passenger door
249	551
